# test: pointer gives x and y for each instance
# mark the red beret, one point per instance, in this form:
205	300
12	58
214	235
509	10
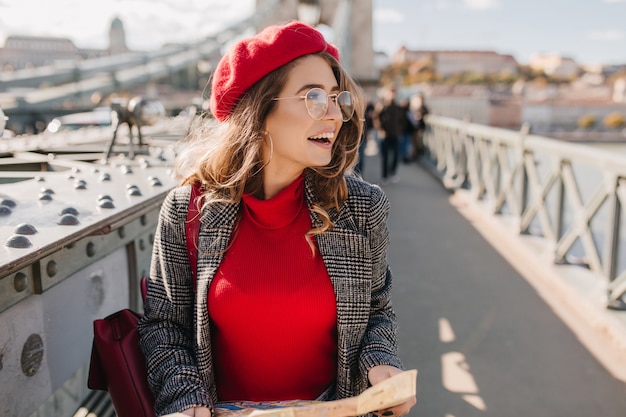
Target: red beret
251	59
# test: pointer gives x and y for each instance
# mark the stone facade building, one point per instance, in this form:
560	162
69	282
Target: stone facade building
21	52
446	63
555	65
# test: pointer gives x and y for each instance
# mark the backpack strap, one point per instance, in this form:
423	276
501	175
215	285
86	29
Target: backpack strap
192	227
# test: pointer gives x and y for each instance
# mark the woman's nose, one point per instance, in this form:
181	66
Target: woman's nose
333	111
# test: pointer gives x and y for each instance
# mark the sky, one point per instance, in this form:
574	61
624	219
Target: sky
589	31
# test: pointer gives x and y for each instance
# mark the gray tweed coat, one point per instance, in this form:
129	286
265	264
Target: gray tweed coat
175	331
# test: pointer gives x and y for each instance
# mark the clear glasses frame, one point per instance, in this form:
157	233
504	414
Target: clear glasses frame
316	102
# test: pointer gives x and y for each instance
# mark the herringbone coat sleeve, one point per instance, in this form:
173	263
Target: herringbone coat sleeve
355	255
167	328
379	344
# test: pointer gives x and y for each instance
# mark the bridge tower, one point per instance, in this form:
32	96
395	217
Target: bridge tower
117	37
351	24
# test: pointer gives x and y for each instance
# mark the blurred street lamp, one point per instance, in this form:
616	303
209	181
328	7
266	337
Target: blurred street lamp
309	11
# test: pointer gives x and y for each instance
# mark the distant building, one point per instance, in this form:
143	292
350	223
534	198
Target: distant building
549	108
476	103
619	90
446	63
608	70
20	52
34	51
555	65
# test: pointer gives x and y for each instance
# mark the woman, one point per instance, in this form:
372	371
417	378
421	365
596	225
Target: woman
292	298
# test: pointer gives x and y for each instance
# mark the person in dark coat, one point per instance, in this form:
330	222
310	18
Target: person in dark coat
368	127
418	111
390	121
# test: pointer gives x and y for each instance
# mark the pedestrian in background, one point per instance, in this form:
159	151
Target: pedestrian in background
406	135
365	137
389	118
293	290
418	111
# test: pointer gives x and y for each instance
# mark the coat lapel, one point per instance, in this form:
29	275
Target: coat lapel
217	223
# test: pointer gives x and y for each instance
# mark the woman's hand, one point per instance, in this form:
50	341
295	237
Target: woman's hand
197	412
378	374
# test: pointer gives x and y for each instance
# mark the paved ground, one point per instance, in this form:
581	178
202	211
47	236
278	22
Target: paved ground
483	338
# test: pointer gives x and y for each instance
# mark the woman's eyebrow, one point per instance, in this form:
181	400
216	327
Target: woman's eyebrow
307	87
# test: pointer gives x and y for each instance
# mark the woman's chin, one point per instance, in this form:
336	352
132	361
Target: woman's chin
320	162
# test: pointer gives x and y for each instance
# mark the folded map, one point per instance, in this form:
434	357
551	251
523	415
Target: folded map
390	392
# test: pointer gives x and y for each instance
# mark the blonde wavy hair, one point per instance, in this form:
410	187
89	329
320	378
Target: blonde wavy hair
227	157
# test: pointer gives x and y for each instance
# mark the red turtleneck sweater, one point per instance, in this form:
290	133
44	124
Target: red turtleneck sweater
272	306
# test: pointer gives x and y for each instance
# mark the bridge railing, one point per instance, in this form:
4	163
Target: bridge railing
569	195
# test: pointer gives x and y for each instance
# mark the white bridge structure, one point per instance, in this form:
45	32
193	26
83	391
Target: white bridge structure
49	89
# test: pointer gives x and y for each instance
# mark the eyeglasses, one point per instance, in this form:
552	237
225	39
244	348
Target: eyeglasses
316	102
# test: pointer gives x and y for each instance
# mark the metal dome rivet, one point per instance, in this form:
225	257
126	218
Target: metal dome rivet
68	220
69	210
7	202
105	203
25	229
18	242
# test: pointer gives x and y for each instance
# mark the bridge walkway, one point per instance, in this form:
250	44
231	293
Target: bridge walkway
487	336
